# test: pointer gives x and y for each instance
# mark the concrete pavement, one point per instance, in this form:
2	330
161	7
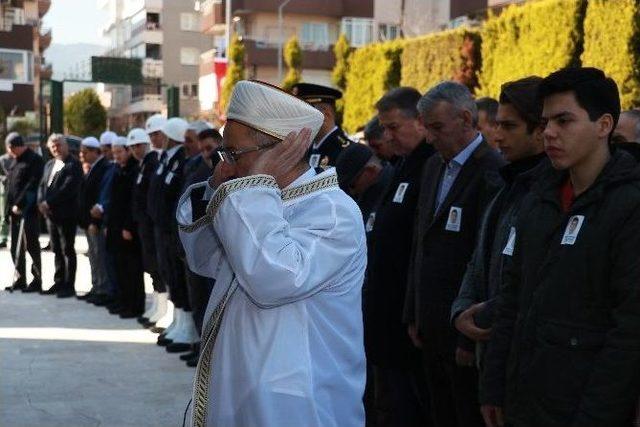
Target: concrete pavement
69	363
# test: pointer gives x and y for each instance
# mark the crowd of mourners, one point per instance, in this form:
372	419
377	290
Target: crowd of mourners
502	286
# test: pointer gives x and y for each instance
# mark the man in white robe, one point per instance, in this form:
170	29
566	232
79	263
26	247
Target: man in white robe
282	341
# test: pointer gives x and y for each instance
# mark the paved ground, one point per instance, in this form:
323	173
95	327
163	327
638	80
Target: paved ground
67	363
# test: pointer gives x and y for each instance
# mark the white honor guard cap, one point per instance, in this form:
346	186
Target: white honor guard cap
175	128
120	141
271	110
155	123
108	138
91	142
138	136
198	126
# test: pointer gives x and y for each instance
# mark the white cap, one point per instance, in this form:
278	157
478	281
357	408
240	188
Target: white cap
155	123
271	110
138	136
91	142
120	141
198	126
107	138
175	128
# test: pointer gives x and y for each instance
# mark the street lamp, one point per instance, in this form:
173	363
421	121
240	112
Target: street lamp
282	5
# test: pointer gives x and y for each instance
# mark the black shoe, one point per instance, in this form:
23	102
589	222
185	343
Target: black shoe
102	300
17	286
116	309
189	355
126	314
31	289
193	362
156	329
178	347
163	341
66	293
3	244
84	296
142	320
52	290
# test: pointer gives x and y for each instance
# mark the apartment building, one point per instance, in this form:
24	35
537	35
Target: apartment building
317	23
23	41
166	36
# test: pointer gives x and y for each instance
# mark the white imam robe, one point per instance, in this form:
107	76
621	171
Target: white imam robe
289	351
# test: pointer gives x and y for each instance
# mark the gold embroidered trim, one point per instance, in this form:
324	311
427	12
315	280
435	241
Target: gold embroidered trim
232	186
310	187
258	181
203	369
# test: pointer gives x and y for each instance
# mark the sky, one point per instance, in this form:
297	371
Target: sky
75	21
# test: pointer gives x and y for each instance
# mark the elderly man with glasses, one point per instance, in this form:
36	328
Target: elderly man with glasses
282	340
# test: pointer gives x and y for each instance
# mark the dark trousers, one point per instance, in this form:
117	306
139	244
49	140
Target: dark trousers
149	255
63	238
454	402
199	289
31	232
171	267
130	275
401	397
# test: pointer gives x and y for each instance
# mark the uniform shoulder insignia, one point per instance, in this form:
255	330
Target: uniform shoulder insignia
344	141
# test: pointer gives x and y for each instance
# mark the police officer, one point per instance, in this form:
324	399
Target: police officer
23	178
331	139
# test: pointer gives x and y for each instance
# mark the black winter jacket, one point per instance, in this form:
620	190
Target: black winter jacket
565	348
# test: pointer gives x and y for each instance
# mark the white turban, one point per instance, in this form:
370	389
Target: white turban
271	110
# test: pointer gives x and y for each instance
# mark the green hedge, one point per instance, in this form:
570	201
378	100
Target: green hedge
611	34
534	38
373	69
448	55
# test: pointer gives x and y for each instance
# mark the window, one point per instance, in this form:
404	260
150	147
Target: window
16	65
189	56
189	22
315	34
189	90
388	31
359	31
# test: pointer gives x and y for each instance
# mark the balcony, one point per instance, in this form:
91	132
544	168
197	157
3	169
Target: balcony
152	68
145	103
262	52
153	36
45	39
43	7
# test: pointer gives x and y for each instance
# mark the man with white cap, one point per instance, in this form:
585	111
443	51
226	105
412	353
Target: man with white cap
123	241
91	155
147	192
282	343
107	138
181	334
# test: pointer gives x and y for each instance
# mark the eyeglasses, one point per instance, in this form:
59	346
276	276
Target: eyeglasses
231	156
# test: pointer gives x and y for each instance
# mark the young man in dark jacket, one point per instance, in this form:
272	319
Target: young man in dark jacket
519	137
457	184
565	348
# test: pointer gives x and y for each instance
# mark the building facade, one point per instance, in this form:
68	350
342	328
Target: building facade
317	23
23	41
166	36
